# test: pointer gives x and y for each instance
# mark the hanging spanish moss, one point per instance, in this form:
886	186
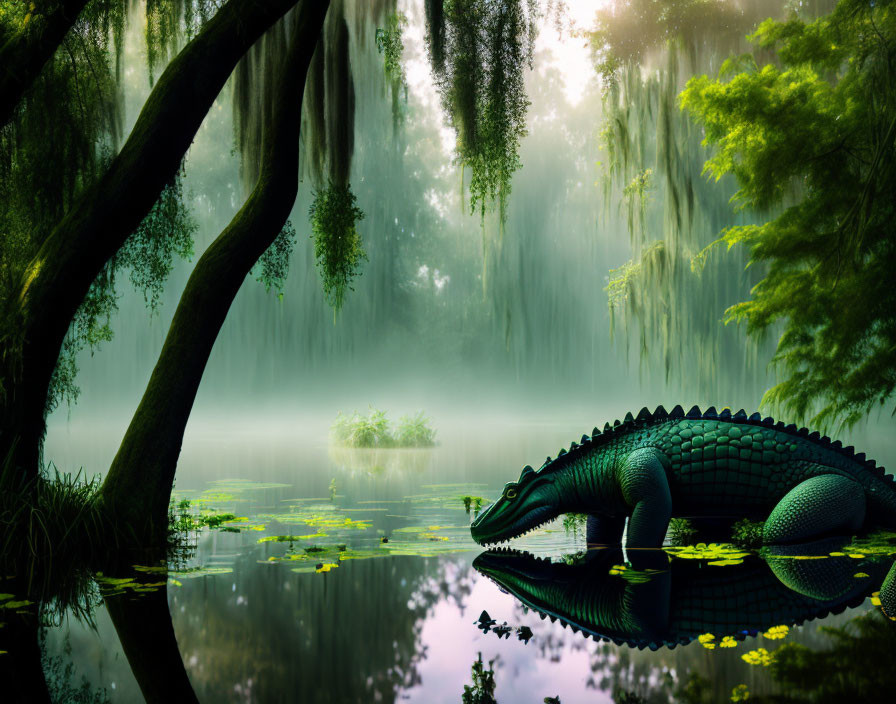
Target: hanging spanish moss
340	92
478	51
672	301
337	244
314	132
273	266
253	91
170	22
390	45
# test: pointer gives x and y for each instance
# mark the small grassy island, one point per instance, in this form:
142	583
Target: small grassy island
375	431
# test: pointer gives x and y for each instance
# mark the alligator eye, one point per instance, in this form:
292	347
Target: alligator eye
510	494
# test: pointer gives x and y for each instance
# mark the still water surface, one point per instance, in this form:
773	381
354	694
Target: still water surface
267	621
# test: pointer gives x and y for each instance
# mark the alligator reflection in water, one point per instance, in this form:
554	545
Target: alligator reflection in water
660	601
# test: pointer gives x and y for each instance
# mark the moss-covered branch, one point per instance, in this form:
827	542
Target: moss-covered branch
71	256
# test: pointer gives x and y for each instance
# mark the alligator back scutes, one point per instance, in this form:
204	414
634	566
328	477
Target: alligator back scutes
646	418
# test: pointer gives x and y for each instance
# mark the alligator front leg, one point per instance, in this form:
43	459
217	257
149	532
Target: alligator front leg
645	489
826	504
604	530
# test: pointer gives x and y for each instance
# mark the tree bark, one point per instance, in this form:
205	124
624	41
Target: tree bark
23	55
144	627
137	488
73	254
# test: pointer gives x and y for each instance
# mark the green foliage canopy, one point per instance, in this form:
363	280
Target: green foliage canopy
57	143
811	138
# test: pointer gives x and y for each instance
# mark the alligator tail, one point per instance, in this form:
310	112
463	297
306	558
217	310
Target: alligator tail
887	594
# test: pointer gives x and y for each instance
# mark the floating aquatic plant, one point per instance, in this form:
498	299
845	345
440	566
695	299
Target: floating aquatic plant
717	554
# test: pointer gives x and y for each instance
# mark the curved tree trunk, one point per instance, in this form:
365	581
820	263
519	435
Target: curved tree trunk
74	253
23	55
21	669
137	488
144	627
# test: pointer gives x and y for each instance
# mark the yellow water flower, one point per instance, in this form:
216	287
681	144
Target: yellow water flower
326	567
777	632
760	656
707	640
728	642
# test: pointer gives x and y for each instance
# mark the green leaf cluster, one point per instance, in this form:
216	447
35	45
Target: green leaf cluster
482	690
810	140
273	266
337	243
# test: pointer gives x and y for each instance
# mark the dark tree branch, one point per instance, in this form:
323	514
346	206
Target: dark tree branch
74	253
137	488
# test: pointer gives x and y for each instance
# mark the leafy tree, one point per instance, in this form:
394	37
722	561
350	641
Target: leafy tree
644	51
810	139
80	204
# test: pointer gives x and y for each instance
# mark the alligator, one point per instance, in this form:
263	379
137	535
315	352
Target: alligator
637	474
681	600
660	465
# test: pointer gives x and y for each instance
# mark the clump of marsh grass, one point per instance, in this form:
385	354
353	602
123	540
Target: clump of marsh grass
374	430
747	534
681	532
52	533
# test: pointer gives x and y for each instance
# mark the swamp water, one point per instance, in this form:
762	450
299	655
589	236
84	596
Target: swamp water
343	575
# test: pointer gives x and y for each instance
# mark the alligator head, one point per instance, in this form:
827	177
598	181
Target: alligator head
587	595
524	505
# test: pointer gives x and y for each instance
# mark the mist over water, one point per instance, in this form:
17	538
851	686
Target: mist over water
470	321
